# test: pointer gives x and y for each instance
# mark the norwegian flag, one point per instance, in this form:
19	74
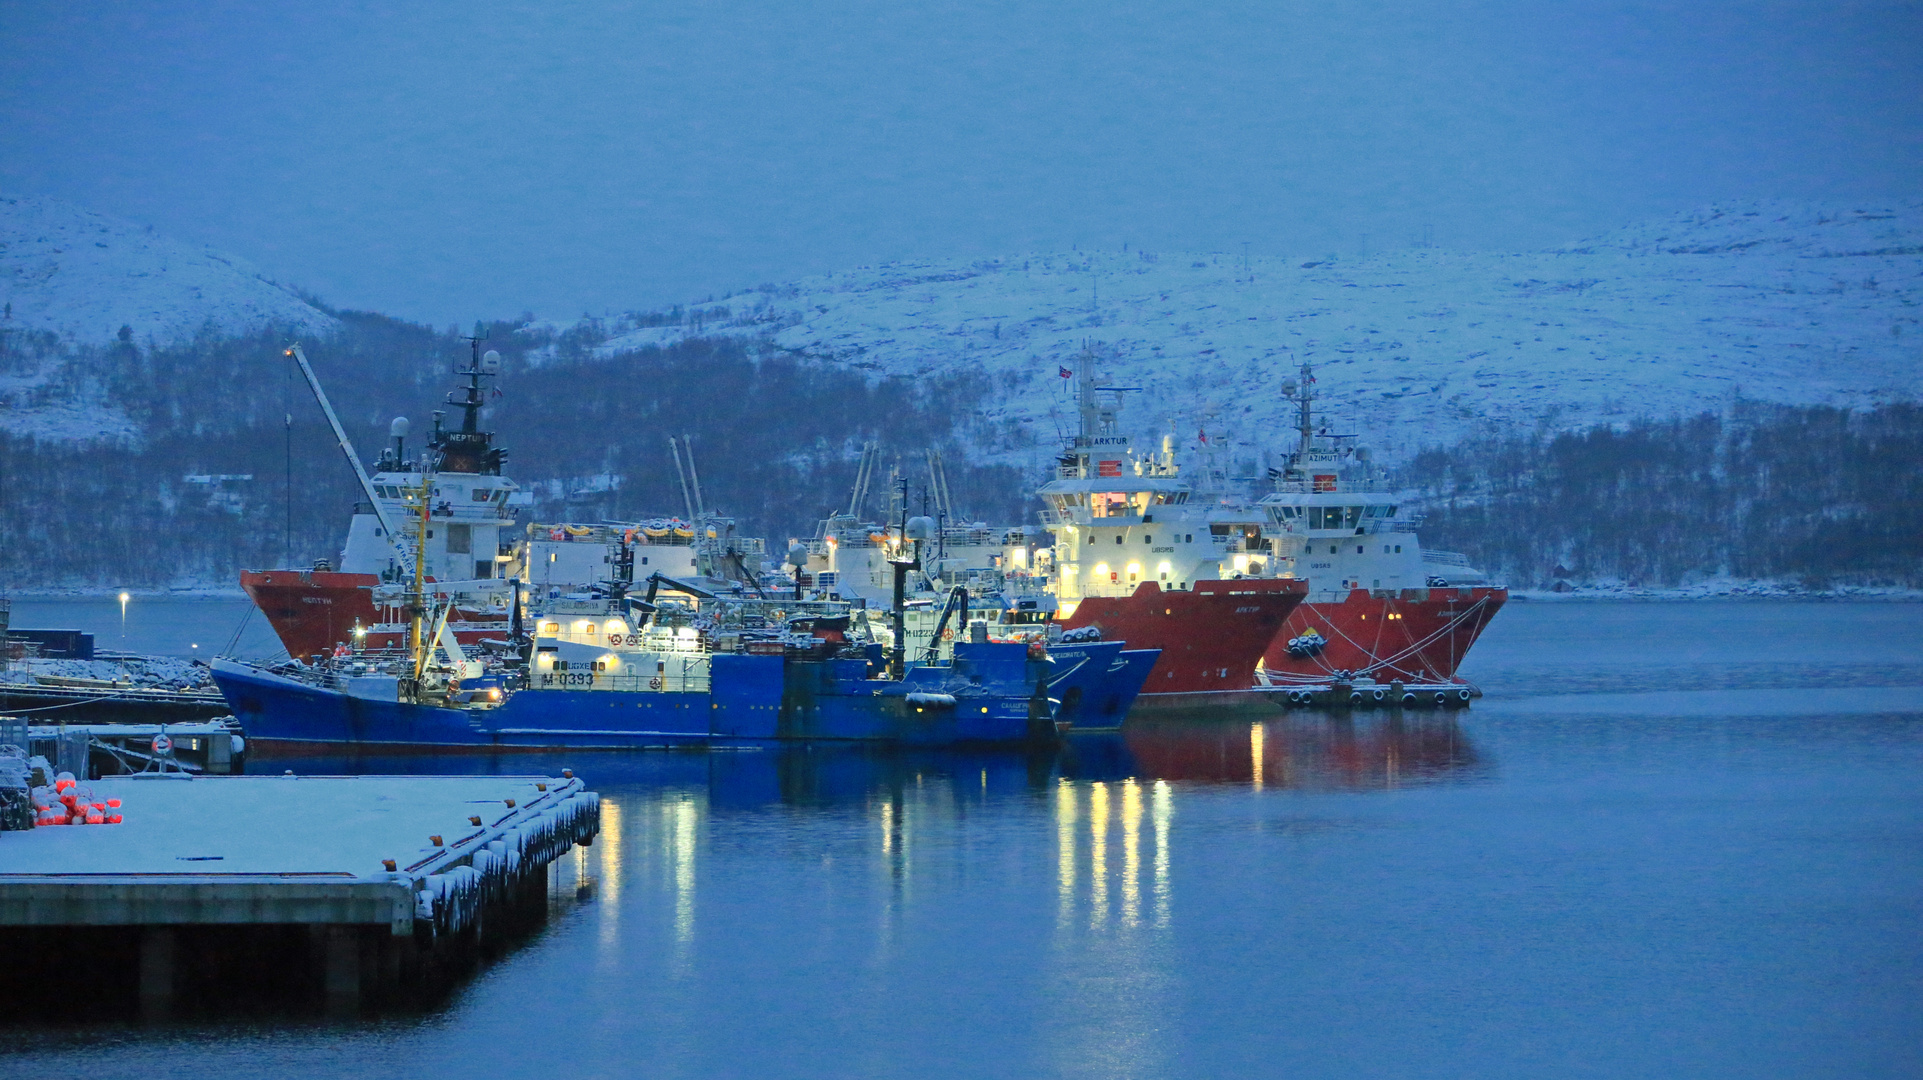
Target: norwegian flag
1202	434
1065	373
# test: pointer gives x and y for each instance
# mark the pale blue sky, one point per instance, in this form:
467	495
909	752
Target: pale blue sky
448	160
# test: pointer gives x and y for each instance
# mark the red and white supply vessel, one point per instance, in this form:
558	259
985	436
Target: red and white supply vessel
1143	560
451	505
1380	608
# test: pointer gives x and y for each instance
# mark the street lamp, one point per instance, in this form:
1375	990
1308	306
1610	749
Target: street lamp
123	620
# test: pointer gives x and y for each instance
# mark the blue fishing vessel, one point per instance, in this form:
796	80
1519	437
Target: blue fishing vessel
991	693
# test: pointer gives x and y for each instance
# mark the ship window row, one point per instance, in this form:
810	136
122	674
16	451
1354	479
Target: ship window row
481	495
1332	517
1117	503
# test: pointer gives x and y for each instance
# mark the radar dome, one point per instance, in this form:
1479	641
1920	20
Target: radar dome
797	556
398	429
1288	388
920	528
490	362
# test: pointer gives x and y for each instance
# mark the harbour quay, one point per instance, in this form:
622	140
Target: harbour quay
218	894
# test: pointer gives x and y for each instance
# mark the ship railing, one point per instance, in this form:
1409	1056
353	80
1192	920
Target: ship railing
1068	472
1445	558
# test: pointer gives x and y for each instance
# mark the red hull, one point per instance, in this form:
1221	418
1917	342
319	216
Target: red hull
1211	636
315	610
1416	635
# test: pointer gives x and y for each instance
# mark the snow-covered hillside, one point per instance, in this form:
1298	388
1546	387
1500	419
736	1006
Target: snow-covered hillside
84	275
1767	301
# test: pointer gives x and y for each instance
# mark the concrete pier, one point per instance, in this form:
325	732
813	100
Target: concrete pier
338	891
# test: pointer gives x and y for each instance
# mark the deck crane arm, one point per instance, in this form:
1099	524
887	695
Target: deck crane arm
388	530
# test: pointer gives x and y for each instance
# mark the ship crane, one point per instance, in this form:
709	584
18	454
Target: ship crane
402	553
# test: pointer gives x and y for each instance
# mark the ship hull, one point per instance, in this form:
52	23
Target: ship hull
1415	635
990	697
313	611
1210	636
1095	683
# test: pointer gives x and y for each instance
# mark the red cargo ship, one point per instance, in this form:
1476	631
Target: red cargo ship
1379	606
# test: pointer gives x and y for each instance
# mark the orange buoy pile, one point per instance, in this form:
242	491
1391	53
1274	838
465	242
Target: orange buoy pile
68	802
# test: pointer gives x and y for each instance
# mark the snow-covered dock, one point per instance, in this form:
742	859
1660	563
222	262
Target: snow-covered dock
336	888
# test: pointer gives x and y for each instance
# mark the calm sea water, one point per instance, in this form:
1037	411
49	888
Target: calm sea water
156	625
1674	840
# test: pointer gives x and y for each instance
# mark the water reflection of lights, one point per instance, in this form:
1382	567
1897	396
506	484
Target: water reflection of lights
1131	852
1065	848
609	856
1097	854
1163	810
1105	815
682	820
1255	754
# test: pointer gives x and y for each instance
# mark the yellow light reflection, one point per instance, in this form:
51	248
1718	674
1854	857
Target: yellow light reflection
1160	811
1131	852
1065	847
683	818
1097	854
609	859
1255	753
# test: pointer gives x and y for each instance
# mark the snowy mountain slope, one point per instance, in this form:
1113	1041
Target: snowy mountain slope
81	276
1766	301
84	275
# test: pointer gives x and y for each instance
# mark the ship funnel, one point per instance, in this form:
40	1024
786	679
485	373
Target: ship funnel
490	363
398	429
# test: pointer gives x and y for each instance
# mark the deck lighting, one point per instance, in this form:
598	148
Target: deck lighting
615	626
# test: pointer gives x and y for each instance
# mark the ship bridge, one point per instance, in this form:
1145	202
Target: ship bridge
1110	500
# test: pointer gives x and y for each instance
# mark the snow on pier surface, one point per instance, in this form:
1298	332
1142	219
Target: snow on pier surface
331	827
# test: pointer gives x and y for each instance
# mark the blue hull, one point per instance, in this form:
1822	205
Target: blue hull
988	695
1096	682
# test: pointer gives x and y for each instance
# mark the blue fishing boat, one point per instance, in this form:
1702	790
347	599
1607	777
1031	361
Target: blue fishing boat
990	693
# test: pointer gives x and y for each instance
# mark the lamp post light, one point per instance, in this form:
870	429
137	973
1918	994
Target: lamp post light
123	620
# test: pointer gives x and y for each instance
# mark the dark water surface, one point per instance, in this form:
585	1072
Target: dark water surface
1674	840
